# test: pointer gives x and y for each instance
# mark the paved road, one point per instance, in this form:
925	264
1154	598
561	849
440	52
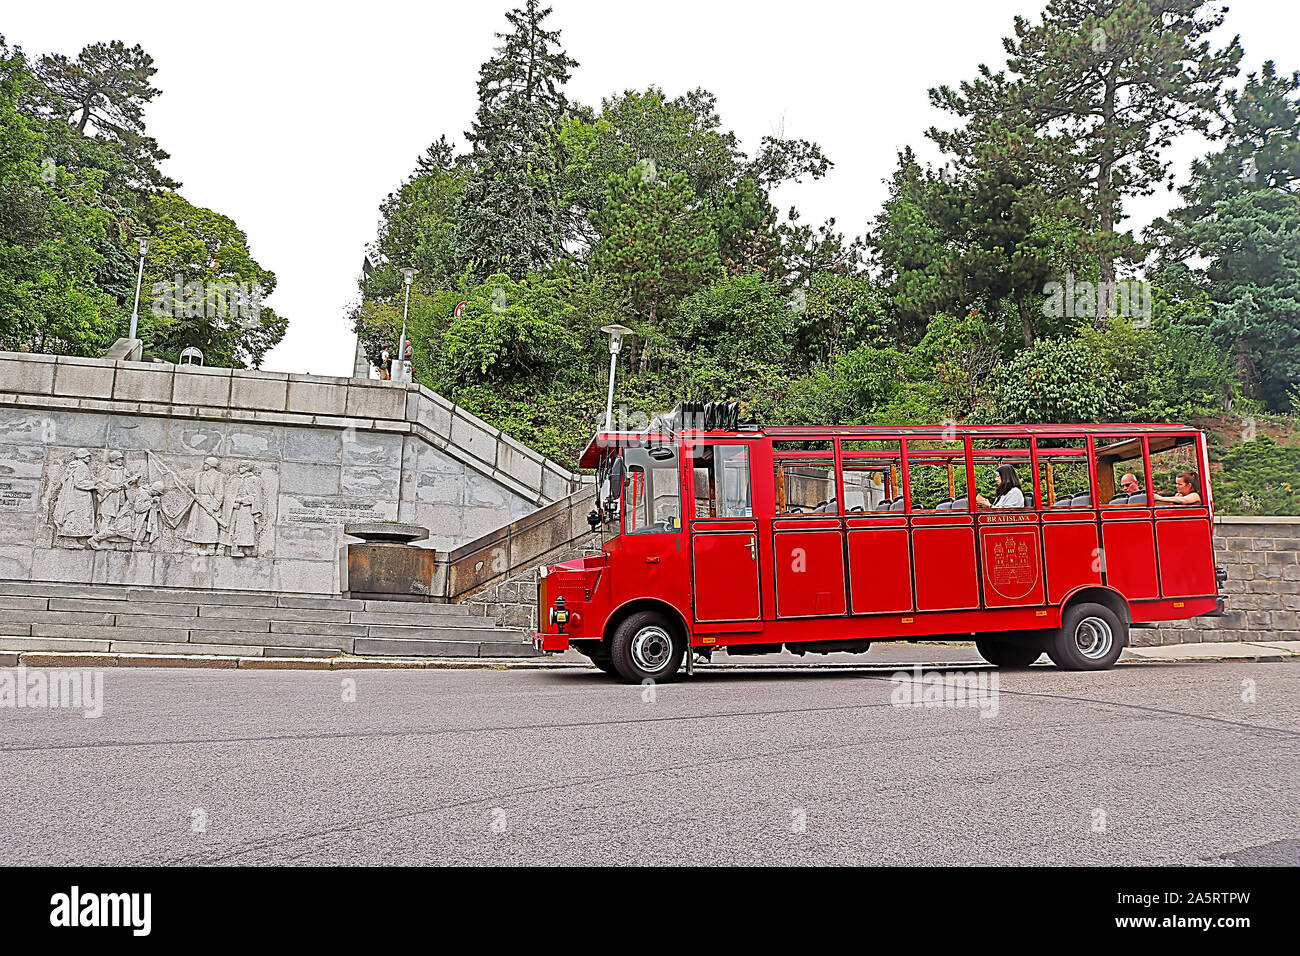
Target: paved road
566	766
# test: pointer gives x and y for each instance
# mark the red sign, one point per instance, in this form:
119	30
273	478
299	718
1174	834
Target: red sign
460	307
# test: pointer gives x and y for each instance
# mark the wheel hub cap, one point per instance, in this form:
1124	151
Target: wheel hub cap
651	649
1094	638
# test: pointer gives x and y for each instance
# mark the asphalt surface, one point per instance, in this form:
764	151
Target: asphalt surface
1144	764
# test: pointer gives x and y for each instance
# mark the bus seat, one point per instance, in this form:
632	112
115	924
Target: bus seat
946	505
1081	501
1118	500
884	505
898	504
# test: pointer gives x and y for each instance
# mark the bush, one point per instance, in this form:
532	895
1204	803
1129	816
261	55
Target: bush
1168	375
1057	381
1259	477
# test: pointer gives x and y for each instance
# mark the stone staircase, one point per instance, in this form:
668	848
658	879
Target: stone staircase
137	620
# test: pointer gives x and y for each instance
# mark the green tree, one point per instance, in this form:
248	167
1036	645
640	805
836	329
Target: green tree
657	243
961	352
1252	244
510	217
1056	381
1259	477
203	288
52	226
418	226
1112	82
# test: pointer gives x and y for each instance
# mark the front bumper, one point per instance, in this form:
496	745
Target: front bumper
550	643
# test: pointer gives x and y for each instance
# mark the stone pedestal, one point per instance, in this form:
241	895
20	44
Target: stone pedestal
386	565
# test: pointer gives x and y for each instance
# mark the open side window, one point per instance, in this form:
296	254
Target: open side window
871	475
803	479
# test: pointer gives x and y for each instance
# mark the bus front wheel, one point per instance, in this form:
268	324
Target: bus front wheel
646	647
1008	652
1091	638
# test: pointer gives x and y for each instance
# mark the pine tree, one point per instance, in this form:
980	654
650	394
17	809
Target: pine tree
658	244
105	90
510	216
1108	84
1119	79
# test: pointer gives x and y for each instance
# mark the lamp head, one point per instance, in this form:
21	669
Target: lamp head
616	333
408	275
144	242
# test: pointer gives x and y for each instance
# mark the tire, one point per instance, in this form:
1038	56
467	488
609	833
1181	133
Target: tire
646	646
1008	652
1091	638
598	652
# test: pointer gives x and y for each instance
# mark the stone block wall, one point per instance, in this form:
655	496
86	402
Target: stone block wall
1262	593
300	455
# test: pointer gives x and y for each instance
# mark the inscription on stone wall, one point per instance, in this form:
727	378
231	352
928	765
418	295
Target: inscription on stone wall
331	511
16	495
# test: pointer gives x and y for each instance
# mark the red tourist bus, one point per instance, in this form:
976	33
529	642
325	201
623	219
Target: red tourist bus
825	539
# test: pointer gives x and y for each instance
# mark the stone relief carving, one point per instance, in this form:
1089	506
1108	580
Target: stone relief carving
146	505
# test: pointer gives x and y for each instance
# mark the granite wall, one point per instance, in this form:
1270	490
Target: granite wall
102	472
1262	593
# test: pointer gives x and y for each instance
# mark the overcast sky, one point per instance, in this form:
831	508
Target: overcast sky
296	120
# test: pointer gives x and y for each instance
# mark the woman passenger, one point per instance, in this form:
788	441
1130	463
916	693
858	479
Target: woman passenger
1008	493
1188	485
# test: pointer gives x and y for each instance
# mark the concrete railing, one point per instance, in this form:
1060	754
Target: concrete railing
190	391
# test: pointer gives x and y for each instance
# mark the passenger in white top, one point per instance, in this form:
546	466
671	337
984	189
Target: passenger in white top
1008	493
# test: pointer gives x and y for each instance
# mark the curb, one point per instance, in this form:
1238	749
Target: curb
1221	652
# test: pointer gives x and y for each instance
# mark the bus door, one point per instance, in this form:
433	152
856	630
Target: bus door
653	536
943	528
724	537
1010	553
879	554
807	531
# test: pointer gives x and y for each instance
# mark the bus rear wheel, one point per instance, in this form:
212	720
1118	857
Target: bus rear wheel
645	647
1091	638
1008	652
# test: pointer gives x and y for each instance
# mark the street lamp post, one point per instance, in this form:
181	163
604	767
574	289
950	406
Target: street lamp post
408	276
616	333
139	277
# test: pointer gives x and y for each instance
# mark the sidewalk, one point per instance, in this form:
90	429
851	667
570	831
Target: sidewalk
885	655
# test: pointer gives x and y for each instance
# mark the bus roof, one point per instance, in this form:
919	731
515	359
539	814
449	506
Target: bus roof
1126	431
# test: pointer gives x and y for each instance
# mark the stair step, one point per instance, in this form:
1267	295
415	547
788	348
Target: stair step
123	606
20	643
434	633
398	647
